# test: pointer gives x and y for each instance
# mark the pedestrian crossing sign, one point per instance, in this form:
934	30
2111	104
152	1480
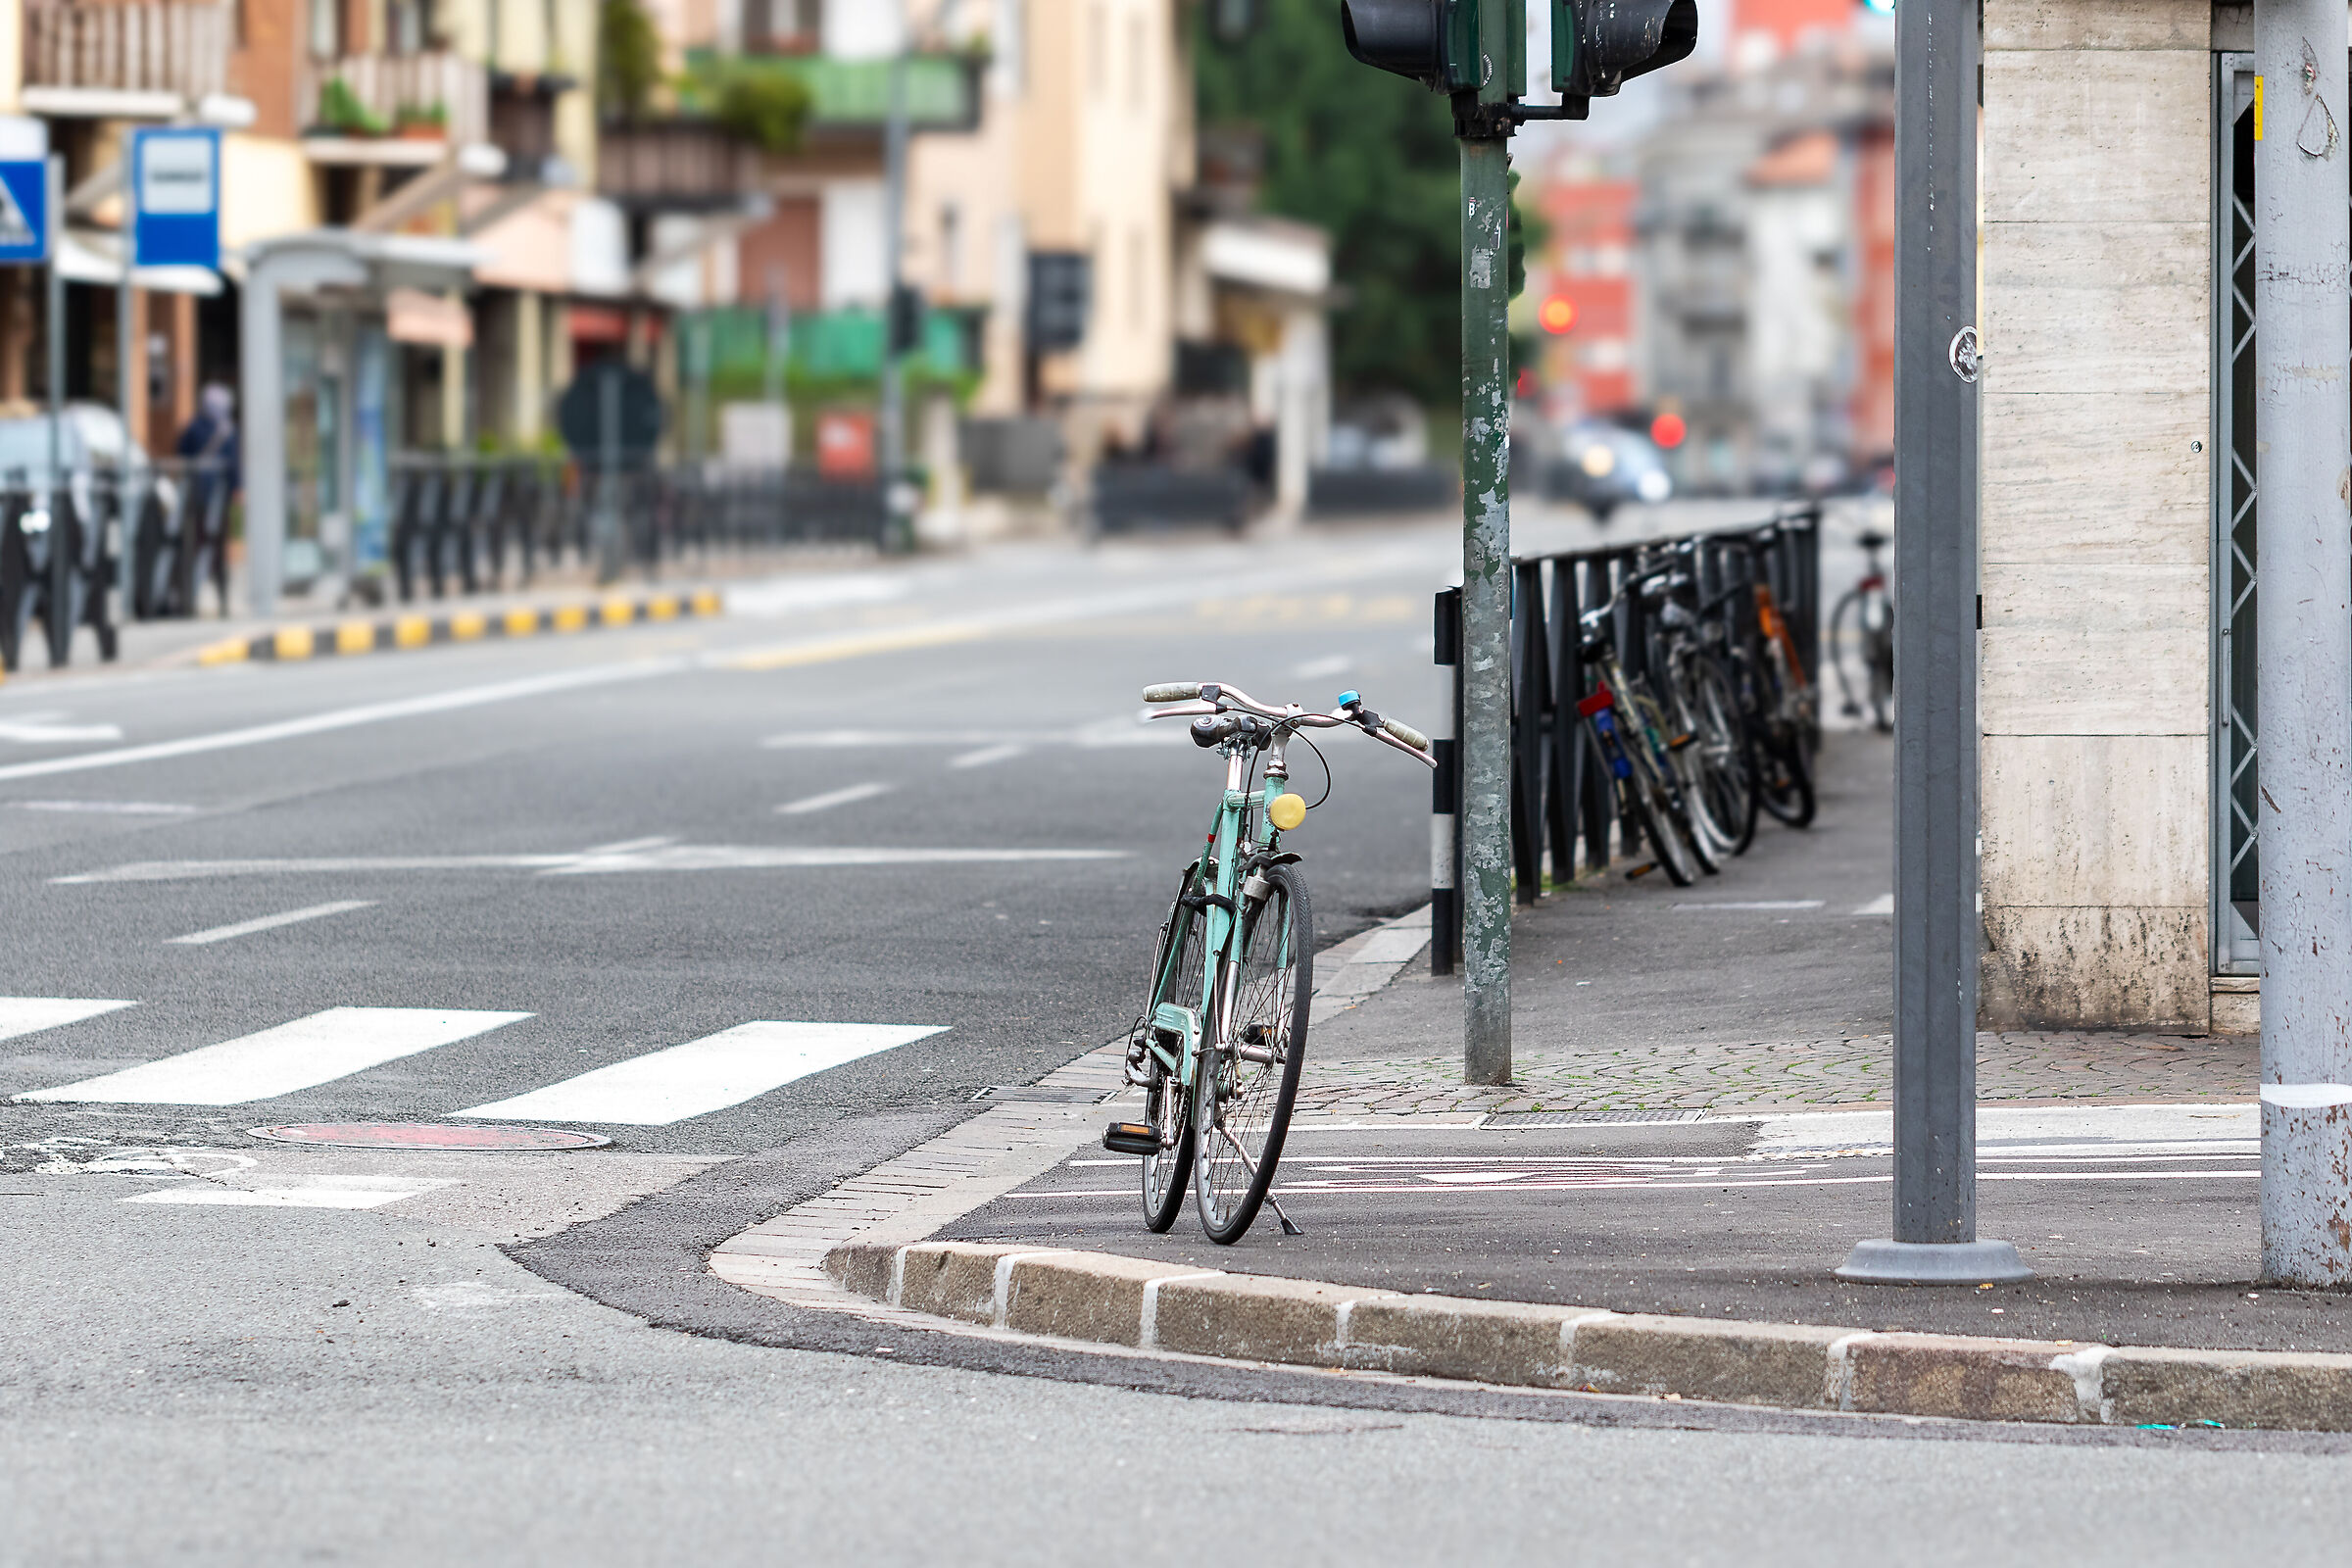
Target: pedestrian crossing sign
24	190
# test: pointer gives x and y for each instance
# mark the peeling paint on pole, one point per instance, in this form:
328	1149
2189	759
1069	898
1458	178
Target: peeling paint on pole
2303	641
1486	667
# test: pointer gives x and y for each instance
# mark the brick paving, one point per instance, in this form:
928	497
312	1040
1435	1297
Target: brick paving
1811	1075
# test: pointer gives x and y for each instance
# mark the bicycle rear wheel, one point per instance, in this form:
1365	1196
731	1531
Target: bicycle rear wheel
1720	785
1167	1108
1250	1081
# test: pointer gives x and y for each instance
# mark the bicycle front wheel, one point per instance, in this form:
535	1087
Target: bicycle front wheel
1248	1080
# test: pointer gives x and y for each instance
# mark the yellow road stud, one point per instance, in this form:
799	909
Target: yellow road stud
662	607
522	623
570	618
293	642
355	637
618	610
467	626
411	631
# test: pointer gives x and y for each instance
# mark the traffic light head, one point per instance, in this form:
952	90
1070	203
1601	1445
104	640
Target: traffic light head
1596	44
1432	41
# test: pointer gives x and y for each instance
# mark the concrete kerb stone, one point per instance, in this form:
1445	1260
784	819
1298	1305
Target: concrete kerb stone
2285	1391
1723	1360
1131	1301
1514	1342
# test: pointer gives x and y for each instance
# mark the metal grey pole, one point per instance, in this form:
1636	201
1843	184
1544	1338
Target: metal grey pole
1484	671
1937	923
898	530
2303	639
57	621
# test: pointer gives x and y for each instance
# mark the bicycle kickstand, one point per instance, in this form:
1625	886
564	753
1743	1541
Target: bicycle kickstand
1288	1228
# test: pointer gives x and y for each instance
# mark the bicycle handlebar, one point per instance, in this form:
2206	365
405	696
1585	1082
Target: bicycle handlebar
1213	697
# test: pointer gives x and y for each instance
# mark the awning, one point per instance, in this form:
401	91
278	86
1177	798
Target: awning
390	261
412	316
1267	253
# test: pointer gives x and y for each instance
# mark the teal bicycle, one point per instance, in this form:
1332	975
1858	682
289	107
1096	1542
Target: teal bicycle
1218	1046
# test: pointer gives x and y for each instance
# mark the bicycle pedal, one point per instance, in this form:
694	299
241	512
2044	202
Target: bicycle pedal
1130	1137
1642	870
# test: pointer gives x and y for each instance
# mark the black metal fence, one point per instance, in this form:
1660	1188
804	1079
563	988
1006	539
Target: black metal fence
154	544
1561	802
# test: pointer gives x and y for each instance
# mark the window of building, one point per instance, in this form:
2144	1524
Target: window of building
327	28
1097	49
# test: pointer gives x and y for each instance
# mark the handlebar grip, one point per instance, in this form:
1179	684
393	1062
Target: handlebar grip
1405	733
1175	691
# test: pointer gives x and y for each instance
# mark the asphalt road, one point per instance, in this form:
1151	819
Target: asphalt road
336	1360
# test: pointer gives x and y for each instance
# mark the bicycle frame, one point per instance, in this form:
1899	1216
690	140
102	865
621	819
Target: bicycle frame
1225	847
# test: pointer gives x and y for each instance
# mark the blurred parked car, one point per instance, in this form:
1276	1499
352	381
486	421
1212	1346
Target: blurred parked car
1602	467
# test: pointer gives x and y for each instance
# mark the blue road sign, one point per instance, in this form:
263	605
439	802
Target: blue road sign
175	197
24	190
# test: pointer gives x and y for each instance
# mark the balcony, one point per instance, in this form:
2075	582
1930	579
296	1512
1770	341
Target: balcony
851	97
675	165
394	111
123	61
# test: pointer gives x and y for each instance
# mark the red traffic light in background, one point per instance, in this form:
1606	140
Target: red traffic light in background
1558	314
1668	431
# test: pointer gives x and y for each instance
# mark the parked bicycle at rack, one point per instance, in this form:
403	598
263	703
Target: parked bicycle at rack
1862	641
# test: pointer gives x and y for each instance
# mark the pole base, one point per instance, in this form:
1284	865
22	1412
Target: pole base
1885	1262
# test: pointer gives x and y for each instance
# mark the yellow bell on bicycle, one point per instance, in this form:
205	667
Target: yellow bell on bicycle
1287	812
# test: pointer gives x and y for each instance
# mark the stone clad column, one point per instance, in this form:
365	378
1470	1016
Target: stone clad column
2096	523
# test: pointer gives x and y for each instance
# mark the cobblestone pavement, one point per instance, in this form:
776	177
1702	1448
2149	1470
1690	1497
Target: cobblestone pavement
1786	1073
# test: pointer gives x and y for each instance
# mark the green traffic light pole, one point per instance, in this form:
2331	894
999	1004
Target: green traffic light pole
1483	121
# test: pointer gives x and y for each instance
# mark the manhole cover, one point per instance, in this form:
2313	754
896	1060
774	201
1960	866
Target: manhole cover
429	1135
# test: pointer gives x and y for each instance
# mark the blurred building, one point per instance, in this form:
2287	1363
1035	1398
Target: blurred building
1581	289
1766	263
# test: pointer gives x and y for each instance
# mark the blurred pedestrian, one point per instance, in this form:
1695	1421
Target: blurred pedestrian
210	441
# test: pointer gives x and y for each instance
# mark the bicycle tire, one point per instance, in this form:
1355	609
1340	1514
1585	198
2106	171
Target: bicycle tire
1238	1101
1167	1108
1721	777
1667	850
1662	776
1790	797
1881	652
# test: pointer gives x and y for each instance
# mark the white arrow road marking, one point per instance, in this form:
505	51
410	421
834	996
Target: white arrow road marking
308	1191
269	922
703	1075
25	1015
661	858
301	1055
832	798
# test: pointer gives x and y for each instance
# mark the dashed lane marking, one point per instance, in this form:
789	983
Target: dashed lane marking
703	1075
107	808
313	1191
269	922
25	1015
986	755
849	796
301	1055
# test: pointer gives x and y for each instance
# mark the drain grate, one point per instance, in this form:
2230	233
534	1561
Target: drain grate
1043	1095
1586	1118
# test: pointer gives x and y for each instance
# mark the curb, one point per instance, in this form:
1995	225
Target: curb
1130	1302
396	633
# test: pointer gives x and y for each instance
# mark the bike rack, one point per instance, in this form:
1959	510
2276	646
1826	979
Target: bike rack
1559	801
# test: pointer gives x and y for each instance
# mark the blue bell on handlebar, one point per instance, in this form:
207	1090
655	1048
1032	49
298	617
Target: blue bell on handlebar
1350	698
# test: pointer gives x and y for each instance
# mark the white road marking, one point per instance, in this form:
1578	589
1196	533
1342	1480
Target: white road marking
25	1015
352	717
778	597
313	1192
854	739
832	798
44	730
269	922
663	858
1318	669
107	808
301	1055
1758	903
1883	903
703	1075
987	755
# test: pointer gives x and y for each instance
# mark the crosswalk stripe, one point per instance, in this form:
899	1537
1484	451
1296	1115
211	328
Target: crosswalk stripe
25	1015
301	1055
703	1075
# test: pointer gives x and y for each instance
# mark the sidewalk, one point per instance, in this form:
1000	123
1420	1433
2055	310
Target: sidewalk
1698	1128
175	644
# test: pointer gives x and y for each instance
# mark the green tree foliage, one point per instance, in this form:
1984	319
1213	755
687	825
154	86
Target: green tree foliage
628	58
1371	158
764	108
